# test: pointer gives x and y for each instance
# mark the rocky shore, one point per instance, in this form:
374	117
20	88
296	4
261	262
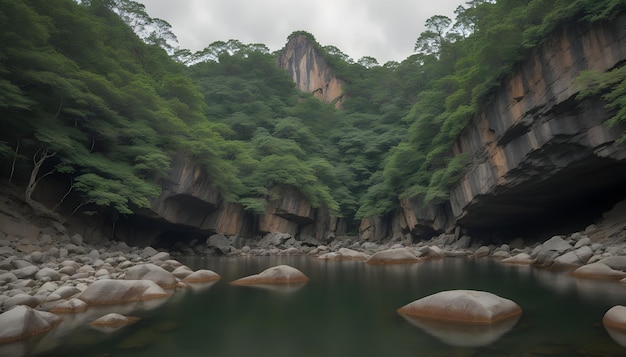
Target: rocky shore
46	271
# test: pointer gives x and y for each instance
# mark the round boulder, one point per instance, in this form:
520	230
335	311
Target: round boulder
393	256
282	274
463	306
22	322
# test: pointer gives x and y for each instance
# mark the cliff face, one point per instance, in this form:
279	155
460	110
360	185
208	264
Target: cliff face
538	153
191	207
309	70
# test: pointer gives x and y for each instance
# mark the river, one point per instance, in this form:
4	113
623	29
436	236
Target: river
348	308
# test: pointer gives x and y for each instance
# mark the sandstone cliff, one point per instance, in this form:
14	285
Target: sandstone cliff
309	70
190	207
537	153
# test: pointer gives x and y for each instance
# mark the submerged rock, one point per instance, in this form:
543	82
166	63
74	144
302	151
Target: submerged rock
393	256
114	320
202	276
282	274
22	322
343	254
464	306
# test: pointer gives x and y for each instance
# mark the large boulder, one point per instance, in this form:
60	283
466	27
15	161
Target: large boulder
111	292
614	322
393	256
149	271
219	242
463	306
598	271
282	274
22	322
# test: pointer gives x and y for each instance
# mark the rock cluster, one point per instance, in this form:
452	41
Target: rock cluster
42	279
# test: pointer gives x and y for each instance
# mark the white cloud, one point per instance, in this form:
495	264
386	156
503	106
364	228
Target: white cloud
386	30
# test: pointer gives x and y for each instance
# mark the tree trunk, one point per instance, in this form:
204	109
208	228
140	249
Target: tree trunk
38	159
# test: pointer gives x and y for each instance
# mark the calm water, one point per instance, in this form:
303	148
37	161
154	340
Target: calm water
348	309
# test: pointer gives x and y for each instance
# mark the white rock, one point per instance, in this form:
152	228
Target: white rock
466	306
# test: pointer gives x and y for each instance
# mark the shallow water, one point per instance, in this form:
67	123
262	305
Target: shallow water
349	309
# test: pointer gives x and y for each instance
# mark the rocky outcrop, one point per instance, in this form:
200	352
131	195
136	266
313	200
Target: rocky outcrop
191	207
538	155
537	150
310	71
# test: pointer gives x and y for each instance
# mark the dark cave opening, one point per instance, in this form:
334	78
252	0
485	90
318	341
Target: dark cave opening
567	202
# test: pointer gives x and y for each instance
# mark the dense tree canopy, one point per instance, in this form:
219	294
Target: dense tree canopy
97	93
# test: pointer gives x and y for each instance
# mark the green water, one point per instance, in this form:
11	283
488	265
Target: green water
348	309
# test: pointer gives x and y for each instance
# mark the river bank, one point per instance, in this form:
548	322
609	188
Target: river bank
46	267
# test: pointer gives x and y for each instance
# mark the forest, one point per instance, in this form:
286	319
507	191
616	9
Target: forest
97	94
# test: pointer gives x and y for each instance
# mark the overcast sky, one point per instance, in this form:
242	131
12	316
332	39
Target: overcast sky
383	29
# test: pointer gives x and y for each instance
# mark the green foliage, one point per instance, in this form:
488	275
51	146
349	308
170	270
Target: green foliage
612	86
102	85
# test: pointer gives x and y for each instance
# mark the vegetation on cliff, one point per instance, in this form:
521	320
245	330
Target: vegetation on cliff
96	94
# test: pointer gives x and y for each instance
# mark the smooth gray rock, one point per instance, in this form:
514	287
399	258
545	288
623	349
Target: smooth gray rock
584	253
51	274
481	252
557	244
20	299
76	239
582	242
26	272
110	292
148	252
152	272
160	256
617	263
568	259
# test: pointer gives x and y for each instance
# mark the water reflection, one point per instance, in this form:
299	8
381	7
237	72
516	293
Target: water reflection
463	335
590	290
276	288
619	336
348	309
